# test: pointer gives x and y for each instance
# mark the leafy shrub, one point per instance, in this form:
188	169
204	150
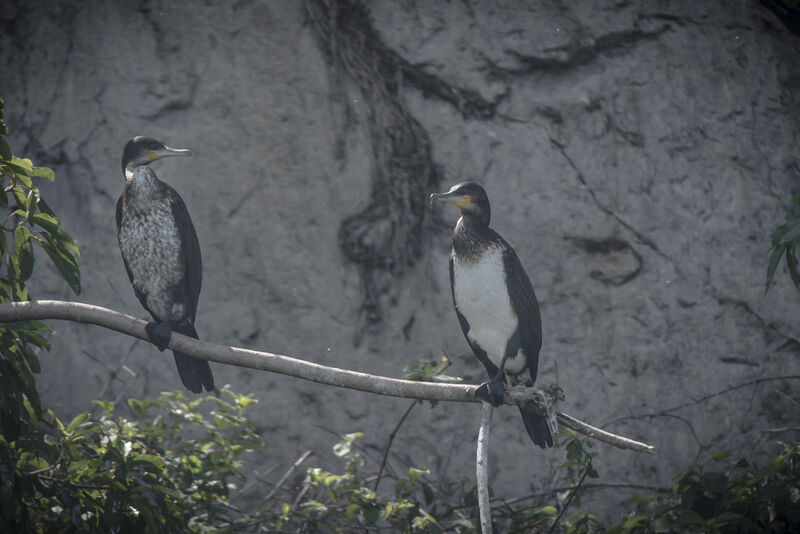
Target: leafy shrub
109	473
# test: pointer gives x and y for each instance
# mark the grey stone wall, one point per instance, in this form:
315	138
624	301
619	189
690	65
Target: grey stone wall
637	155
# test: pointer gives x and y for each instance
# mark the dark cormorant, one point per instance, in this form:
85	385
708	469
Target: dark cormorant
495	302
161	253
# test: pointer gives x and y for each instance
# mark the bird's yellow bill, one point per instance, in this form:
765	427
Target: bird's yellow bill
462	202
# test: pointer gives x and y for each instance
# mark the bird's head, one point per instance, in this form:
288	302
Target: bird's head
470	198
141	150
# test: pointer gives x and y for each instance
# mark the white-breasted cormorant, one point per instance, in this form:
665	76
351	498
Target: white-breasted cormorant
161	253
495	302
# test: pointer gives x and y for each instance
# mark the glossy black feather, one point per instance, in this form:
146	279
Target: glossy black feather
523	300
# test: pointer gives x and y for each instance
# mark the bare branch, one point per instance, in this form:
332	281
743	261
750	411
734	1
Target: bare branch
389	444
482	468
571	496
601	435
276	363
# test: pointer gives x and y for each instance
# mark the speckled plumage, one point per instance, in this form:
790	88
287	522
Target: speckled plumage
154	252
162	255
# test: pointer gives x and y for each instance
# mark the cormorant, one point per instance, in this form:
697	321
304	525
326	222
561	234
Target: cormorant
161	253
495	302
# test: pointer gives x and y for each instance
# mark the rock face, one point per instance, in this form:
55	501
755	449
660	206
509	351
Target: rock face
637	155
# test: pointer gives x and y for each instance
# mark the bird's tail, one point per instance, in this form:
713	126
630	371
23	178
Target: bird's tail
537	428
195	373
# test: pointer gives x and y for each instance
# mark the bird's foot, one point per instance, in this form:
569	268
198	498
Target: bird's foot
159	334
492	392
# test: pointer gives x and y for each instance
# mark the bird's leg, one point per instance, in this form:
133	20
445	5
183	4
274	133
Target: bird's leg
159	334
494	390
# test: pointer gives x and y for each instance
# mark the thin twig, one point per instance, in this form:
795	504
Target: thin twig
300	497
286	475
389	444
482	468
611	485
571	495
780	430
286	365
703	399
602	435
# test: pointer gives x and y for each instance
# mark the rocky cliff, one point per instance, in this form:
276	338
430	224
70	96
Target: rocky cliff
637	155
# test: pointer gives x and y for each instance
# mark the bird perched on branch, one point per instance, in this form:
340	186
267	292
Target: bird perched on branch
161	253
495	303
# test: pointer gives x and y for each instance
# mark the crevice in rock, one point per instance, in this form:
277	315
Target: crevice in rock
641	237
739	361
578	52
786	342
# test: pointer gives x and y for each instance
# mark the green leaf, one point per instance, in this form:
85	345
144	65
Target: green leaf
30	202
636	521
5	150
22	166
427	494
150	459
76	422
24	252
371	514
721	455
791	262
689	517
574	451
64	262
662	524
43	172
351	511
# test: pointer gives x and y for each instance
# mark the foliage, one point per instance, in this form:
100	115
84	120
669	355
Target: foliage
735	498
343	502
429	371
28	221
108	473
785	239
705	498
102	473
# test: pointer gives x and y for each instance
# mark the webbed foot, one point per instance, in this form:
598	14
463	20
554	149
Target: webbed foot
159	334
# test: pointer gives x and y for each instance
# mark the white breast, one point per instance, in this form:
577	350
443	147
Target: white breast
481	295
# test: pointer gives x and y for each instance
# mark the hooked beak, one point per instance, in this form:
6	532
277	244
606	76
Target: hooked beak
454	198
167	152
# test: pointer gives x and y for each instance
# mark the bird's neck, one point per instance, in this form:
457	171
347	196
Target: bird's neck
141	184
470	237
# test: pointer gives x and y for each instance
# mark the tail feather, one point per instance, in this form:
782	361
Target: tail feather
195	373
537	428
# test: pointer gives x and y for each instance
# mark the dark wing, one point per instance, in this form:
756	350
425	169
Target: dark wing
479	352
139	295
523	300
189	291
